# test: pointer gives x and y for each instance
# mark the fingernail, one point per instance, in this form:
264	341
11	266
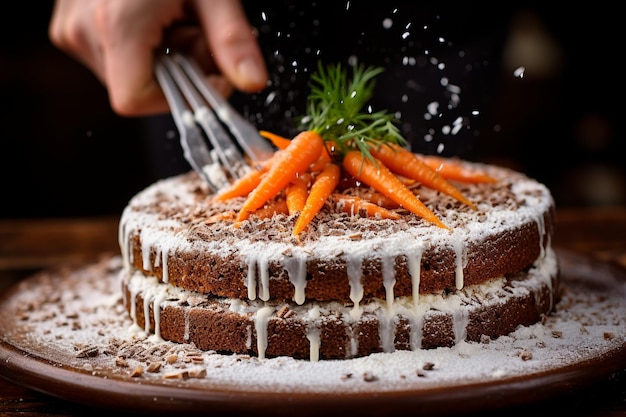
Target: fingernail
250	72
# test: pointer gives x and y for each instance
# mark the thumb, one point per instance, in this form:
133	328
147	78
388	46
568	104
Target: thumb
233	44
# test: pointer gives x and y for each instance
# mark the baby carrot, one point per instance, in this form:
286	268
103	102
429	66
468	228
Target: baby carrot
454	170
280	142
379	177
377	198
297	192
271	209
374	197
242	186
404	162
323	186
305	148
352	204
319	164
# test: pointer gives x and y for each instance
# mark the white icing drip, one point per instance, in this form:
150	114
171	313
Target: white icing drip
166	275
157	257
122	239
460	320
156	310
356	287
249	337
314	341
133	310
386	329
541	229
313	334
260	325
187	322
264	281
459	253
354	341
146	244
417	330
147	298
251	278
414	262
389	279
296	268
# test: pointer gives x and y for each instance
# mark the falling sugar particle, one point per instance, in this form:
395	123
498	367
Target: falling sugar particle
440	148
519	72
387	23
453	88
433	108
409	61
270	98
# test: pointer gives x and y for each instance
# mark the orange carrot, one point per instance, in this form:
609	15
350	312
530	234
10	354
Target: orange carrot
324	158
242	186
454	170
323	186
222	217
374	197
297	192
352	204
280	142
379	177
305	148
404	162
272	208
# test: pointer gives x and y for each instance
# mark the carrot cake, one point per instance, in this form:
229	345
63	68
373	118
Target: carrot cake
350	285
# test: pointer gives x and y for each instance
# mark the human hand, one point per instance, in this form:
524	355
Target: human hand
117	40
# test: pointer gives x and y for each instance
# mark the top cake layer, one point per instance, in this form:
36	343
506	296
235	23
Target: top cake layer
172	230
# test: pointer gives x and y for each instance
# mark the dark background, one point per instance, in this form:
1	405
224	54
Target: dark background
64	153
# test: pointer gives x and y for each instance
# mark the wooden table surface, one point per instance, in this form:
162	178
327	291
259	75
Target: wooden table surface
30	245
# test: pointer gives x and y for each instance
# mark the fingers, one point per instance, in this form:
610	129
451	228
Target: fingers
233	44
130	33
71	30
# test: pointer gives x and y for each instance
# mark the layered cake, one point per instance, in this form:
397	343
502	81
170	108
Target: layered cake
342	244
349	285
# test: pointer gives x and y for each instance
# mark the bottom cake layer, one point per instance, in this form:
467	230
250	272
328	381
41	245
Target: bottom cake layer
333	330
